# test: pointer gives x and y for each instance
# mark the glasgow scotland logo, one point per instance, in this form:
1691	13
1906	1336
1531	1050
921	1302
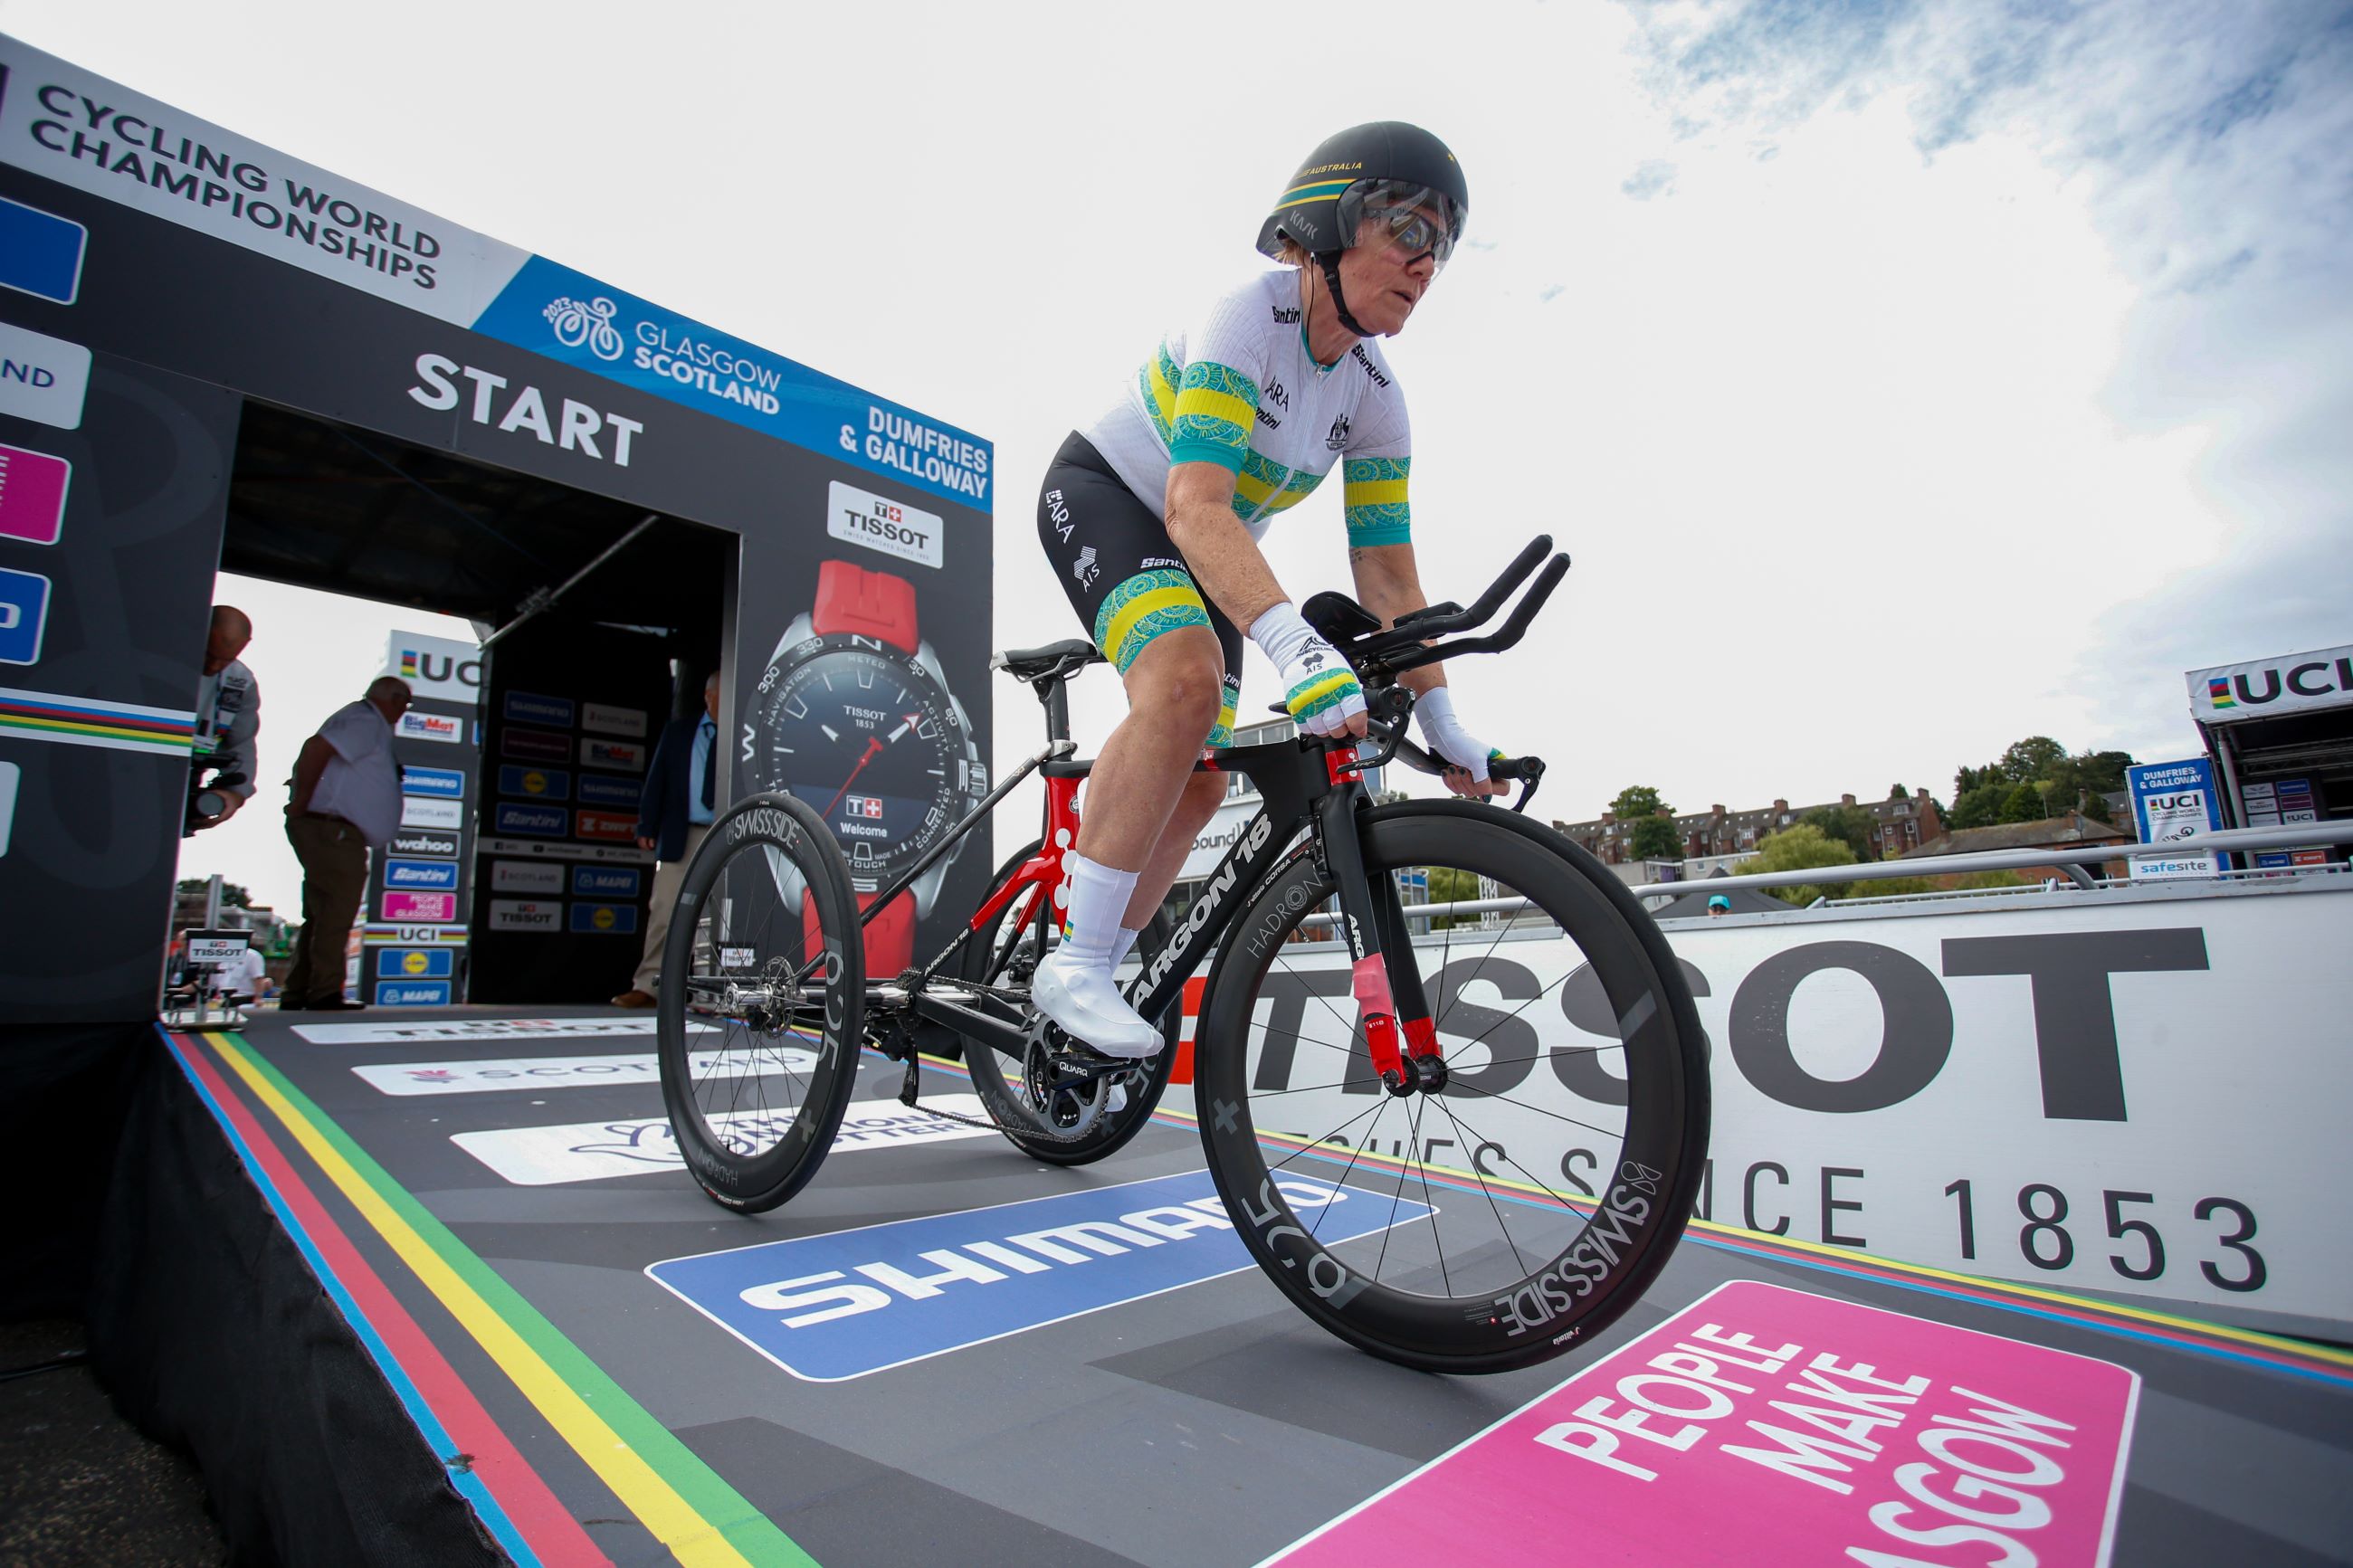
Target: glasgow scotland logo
588	325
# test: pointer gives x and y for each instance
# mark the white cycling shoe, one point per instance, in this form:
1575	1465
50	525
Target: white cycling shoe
1087	1003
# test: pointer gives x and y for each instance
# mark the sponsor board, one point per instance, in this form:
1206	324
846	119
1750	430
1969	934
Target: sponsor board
534	784
829	1308
24	615
527	876
412	993
557	1072
32	494
416	963
438	784
526	914
42	378
2296	682
442	727
534	745
421	811
625	754
604	919
546	849
421	874
374	935
518	816
610	721
417	907
529	708
603	789
211	949
2172	800
443	845
610	826
41	253
1765	1424
441	669
593	1150
878	523
2001	1092
477	1029
606	881
11	776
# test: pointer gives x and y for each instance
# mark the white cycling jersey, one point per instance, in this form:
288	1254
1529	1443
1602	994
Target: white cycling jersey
1240	390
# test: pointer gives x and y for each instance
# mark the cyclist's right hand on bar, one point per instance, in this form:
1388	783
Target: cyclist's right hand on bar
1319	688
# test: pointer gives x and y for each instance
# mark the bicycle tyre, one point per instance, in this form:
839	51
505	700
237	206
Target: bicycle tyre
767	840
1666	1113
1110	1134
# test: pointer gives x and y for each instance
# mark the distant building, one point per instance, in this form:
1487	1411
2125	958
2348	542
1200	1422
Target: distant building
2067	831
1897	828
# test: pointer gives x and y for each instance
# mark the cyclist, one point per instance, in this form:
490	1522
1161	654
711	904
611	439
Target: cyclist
1151	517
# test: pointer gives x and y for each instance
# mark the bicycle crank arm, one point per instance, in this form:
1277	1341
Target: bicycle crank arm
1006	1039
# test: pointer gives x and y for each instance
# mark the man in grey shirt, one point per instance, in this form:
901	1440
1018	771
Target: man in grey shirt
228	717
345	800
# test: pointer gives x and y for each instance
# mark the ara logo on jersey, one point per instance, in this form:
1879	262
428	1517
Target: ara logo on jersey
828	1308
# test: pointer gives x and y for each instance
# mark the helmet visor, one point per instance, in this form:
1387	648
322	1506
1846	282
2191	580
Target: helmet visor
1416	219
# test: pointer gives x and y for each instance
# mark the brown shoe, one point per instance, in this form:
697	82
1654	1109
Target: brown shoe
633	997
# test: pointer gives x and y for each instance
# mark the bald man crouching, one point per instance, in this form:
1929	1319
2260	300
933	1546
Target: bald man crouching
344	801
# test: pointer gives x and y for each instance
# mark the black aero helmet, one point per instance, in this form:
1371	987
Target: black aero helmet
1388	163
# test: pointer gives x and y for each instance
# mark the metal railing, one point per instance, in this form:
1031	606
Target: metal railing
2070	857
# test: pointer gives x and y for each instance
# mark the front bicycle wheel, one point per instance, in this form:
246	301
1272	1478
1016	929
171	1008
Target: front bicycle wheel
1003	953
1516	1212
762	996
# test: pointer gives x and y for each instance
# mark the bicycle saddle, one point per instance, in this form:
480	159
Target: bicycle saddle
1055	660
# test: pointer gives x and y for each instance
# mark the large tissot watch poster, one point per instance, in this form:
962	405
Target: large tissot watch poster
870	711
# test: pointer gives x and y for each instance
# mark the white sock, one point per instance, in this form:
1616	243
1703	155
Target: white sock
1121	946
1098	897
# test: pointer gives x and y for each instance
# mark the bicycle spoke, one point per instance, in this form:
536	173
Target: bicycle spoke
1370	1133
1481	1177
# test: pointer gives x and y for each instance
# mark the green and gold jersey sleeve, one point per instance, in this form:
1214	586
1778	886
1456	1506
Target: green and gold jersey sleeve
1373	477
1215	409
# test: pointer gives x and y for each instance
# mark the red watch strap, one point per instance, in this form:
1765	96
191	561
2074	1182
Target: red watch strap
871	603
890	937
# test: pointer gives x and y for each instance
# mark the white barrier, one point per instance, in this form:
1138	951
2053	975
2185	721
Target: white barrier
2139	1090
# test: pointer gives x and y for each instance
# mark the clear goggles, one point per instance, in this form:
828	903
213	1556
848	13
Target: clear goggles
1416	219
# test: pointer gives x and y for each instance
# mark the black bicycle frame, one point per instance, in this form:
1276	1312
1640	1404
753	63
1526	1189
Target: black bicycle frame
1307	784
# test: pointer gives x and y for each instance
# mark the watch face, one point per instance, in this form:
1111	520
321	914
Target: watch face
868	739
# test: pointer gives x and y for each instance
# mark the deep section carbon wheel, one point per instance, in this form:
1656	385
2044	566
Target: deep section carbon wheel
759	1010
1509	1216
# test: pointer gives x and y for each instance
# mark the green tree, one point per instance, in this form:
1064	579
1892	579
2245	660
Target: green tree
1655	838
2031	759
1799	848
1636	802
1849	824
1898	791
1978	807
233	895
2022	803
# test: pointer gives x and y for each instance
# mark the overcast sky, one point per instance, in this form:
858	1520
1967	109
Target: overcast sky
1904	378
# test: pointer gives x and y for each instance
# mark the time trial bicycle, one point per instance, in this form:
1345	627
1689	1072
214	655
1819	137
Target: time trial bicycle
1448	1076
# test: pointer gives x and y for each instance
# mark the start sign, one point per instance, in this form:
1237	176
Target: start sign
1765	1424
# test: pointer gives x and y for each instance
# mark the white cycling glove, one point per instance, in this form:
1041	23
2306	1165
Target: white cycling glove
1319	688
1447	737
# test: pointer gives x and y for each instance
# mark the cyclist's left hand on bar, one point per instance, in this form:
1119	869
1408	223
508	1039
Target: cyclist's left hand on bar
1466	755
1319	688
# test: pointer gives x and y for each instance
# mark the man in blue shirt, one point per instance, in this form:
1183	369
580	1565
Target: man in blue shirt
673	813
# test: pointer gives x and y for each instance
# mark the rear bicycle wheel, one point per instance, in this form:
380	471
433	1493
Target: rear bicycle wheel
762	996
1003	953
1515	1213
